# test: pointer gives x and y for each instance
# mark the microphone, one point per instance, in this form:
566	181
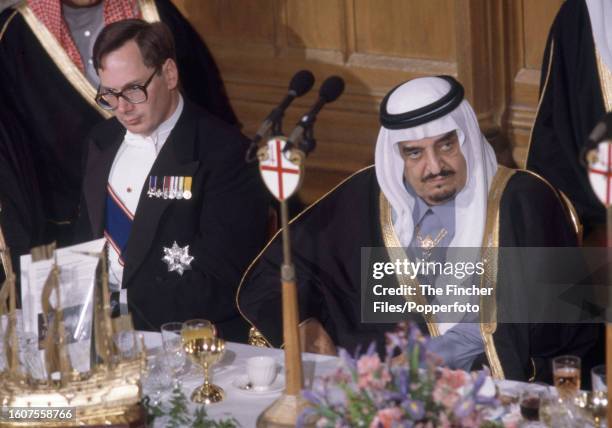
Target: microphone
301	82
602	131
330	90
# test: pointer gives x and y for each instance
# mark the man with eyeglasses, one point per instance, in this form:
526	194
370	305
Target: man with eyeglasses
167	185
47	107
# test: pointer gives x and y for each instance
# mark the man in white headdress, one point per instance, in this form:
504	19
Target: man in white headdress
435	184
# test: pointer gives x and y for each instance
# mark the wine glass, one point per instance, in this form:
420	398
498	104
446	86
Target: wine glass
204	349
173	347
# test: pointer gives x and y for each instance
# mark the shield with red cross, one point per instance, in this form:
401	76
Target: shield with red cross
280	171
600	171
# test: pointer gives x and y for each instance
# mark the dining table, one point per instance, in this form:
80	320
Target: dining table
244	404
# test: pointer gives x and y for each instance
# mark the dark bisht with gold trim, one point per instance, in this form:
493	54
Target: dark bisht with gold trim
571	104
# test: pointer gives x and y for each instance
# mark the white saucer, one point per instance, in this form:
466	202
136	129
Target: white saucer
240	382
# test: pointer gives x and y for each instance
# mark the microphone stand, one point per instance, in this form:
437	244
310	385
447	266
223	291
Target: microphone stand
285	411
275	129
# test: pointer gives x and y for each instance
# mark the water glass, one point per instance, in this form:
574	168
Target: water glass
129	343
548	406
156	378
173	347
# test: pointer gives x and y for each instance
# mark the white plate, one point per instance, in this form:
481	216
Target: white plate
240	382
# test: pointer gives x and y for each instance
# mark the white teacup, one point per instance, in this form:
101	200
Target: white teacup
261	372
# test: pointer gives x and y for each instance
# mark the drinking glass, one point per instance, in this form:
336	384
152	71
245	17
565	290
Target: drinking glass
129	343
155	378
530	403
204	349
599	398
598	378
566	373
549	403
173	347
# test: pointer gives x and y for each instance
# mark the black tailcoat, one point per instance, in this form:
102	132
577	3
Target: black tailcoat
55	118
224	223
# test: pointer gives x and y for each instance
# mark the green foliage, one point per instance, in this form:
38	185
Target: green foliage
179	416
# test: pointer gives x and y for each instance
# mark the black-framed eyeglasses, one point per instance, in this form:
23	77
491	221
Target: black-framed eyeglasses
134	94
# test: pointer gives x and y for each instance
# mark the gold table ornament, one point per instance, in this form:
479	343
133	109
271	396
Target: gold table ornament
109	394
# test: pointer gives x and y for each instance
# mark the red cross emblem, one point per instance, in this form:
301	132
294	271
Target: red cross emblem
281	176
600	172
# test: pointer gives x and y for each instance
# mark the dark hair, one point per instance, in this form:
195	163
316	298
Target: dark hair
154	40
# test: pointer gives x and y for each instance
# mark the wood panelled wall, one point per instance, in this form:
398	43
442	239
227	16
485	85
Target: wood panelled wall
494	47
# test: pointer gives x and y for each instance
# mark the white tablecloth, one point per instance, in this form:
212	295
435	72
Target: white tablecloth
243	406
247	406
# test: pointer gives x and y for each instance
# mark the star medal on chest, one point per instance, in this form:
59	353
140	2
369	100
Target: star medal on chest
177	258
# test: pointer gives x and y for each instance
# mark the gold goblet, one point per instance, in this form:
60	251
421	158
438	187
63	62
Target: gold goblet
204	349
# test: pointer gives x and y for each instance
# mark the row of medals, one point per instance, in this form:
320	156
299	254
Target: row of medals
172	187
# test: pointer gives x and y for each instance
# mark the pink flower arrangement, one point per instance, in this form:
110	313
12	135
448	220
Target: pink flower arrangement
372	374
408	391
447	387
385	418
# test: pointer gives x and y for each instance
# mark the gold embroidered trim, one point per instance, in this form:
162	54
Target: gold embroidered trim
61	59
534	372
396	251
565	202
149	11
605	81
248	269
550	60
578	227
6	24
490	244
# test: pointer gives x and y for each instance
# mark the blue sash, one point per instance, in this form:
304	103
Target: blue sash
118	223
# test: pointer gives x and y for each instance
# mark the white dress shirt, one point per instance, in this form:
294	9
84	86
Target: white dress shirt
129	174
